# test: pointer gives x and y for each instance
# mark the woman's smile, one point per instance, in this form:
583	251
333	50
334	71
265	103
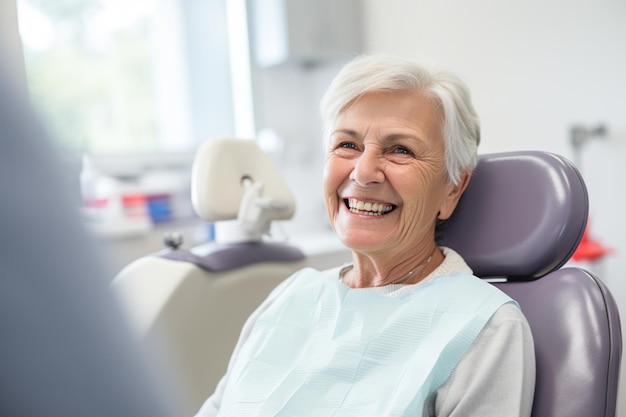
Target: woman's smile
368	208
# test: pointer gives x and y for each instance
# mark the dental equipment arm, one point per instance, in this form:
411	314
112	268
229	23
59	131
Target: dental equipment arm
233	179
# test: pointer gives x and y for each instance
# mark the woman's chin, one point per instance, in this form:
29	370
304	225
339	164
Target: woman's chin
364	240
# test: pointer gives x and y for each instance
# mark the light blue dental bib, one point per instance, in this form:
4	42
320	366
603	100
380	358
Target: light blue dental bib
324	349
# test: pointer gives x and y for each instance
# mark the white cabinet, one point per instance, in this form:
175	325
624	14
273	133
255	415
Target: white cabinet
304	32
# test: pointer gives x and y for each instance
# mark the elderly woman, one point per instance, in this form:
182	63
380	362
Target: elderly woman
405	329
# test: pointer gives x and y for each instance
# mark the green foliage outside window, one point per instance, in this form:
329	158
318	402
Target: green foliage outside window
95	94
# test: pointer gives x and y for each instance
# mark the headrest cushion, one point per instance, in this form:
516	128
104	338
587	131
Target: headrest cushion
522	215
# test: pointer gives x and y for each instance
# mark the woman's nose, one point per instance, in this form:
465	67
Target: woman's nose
368	169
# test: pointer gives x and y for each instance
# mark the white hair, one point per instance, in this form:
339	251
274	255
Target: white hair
367	73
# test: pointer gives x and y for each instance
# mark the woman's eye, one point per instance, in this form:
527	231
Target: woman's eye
347	145
402	150
346	149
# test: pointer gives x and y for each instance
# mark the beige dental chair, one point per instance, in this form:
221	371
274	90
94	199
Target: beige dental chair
190	305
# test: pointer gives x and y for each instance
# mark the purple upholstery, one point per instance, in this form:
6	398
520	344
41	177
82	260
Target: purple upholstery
219	257
576	328
522	217
523	214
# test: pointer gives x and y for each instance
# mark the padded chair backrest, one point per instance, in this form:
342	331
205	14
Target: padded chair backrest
519	222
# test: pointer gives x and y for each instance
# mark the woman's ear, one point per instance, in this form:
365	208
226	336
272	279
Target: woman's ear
454	193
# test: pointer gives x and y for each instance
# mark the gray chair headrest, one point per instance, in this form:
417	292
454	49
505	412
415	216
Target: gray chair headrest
522	215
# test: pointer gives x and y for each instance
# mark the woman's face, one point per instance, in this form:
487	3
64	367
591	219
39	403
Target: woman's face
385	182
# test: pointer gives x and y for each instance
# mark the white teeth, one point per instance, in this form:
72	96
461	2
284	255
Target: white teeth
369	208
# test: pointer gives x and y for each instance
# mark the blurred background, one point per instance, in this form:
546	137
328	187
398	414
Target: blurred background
131	89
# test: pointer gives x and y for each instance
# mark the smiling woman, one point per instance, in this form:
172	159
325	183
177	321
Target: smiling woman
406	329
387	152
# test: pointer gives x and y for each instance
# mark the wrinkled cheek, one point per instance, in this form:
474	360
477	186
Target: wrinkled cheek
332	212
417	221
341	225
331	183
333	208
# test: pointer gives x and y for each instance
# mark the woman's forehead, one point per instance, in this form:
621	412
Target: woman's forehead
394	114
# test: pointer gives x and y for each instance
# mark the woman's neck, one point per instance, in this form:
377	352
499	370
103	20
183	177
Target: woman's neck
380	269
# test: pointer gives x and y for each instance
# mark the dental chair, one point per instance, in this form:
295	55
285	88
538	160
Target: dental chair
517	225
189	305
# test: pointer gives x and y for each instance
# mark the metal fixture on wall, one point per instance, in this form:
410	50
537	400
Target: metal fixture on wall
580	135
589	249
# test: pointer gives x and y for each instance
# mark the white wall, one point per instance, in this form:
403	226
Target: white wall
535	67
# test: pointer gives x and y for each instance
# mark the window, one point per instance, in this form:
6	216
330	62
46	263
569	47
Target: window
136	86
118	77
